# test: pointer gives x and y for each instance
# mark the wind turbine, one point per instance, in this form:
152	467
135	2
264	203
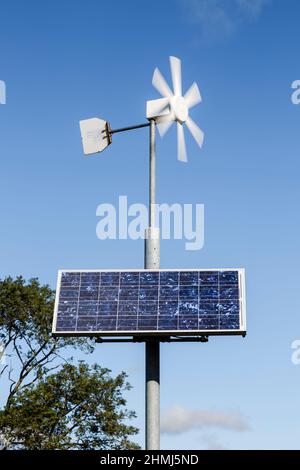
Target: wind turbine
96	136
175	107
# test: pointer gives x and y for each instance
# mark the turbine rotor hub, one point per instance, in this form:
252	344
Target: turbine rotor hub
180	109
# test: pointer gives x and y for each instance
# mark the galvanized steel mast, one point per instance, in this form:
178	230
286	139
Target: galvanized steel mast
152	345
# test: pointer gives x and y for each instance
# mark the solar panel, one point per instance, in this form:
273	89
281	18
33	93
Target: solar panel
161	302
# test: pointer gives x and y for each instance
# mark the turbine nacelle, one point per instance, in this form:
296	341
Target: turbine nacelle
175	108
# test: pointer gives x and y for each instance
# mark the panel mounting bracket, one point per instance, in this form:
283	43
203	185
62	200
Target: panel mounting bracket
161	339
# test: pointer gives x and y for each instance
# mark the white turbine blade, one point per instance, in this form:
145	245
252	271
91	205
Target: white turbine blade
181	143
196	132
161	85
164	123
156	108
192	96
175	64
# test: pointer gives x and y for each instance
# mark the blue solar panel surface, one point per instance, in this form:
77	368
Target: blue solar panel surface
148	301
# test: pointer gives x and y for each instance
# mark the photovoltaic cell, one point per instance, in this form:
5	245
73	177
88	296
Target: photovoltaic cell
154	302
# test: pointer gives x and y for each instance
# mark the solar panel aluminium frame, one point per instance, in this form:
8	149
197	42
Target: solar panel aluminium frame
155	333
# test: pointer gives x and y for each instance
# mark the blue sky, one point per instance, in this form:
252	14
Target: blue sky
63	61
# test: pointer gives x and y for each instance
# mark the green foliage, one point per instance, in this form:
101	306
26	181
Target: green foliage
52	403
26	311
79	407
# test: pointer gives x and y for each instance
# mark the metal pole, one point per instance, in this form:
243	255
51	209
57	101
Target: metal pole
152	261
129	128
152	180
152	395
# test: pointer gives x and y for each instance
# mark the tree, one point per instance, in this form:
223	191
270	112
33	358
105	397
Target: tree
50	402
79	407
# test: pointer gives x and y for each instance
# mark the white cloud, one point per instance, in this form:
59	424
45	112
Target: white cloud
251	8
220	18
178	419
211	442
